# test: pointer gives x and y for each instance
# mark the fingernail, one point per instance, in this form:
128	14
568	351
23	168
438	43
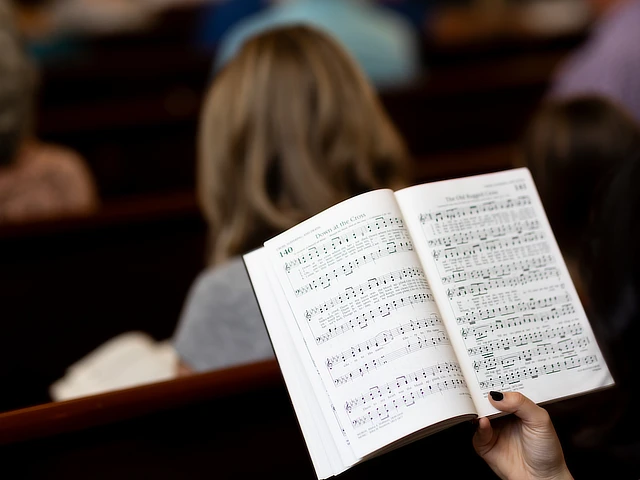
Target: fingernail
497	396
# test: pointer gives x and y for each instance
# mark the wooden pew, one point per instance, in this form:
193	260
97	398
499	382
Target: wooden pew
235	423
132	108
471	106
70	285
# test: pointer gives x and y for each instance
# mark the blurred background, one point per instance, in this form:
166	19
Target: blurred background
117	89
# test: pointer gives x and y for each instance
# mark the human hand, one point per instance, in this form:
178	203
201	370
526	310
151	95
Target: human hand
524	446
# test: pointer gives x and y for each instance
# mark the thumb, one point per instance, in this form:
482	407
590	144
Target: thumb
516	403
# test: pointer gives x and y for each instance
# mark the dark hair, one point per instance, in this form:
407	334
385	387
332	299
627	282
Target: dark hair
570	147
584	155
610	267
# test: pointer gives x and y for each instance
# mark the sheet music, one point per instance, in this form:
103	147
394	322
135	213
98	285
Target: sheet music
505	294
369	322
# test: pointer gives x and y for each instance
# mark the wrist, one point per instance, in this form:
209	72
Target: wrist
564	474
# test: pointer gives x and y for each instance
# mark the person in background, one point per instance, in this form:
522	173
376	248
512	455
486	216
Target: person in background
37	181
603	442
609	62
289	128
610	267
584	155
218	16
570	147
415	11
384	43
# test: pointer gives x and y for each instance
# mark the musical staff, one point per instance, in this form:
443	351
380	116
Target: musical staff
421	375
483	288
461	238
517	375
497	271
413	344
362	320
493	245
383	412
482	332
524	339
486	207
325	280
373	232
371	284
383	338
522	356
471	317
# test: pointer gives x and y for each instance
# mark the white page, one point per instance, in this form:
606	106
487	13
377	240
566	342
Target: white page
502	285
369	323
328	458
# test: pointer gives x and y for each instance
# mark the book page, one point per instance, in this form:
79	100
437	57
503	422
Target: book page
504	291
328	458
361	304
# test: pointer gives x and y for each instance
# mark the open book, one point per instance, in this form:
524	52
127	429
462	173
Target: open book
393	314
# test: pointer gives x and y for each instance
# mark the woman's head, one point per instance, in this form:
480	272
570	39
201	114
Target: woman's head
570	147
610	265
17	81
289	128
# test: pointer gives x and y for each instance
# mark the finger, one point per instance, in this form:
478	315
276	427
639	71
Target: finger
516	403
483	438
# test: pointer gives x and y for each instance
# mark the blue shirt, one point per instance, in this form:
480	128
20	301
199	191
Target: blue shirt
384	44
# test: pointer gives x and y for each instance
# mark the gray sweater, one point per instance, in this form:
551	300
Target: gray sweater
221	324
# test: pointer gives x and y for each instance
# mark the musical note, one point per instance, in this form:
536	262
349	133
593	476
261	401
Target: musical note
493	245
362	289
421	375
461	238
522	356
383	338
372	233
472	210
516	376
482	288
324	280
498	271
362	320
481	332
414	344
473	316
523	339
381	413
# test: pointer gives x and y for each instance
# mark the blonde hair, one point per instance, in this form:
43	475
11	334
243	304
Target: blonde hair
289	128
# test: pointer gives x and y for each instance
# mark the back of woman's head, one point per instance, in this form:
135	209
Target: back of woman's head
289	128
571	145
16	86
610	265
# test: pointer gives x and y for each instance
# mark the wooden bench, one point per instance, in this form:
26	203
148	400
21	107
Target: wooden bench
236	423
68	286
132	106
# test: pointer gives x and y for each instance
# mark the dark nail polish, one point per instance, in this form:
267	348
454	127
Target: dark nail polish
497	396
